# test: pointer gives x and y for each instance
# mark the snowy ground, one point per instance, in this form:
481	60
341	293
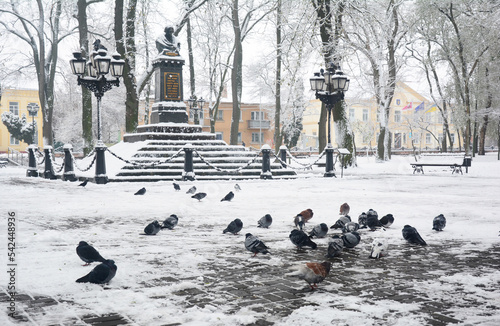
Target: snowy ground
195	275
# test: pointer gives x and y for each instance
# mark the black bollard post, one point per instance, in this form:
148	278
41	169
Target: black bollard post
49	168
188	163
266	162
100	167
329	169
32	169
282	154
69	172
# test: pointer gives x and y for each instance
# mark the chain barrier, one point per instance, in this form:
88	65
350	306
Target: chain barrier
60	169
224	170
146	165
304	166
91	163
40	155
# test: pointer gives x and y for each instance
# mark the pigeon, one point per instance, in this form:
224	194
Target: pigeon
362	220
170	222
350	226
253	244
234	227
301	239
439	223
177	187
341	222
344	209
265	221
152	228
102	273
351	239
312	273
387	220
88	254
372	221
84	183
141	191
191	190
237	187
379	248
199	196
335	247
303	217
228	197
372	212
411	235
299	222
319	231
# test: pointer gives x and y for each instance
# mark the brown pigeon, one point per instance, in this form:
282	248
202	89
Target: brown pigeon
312	273
344	209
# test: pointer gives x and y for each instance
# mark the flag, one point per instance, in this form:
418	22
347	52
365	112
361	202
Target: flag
432	108
419	107
407	107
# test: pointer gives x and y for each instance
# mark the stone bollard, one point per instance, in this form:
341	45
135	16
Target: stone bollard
49	168
188	173
282	155
329	170
100	164
32	166
69	172
266	162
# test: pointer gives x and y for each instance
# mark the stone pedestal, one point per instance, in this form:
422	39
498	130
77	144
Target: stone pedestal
169	104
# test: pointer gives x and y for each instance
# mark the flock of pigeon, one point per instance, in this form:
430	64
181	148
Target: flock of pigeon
312	272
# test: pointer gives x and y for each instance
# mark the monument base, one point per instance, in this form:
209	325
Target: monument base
169	111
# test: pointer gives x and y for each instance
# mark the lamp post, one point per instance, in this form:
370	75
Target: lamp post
329	86
196	106
98	67
33	110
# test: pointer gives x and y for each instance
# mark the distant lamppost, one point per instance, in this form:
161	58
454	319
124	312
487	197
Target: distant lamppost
96	81
33	110
329	86
196	106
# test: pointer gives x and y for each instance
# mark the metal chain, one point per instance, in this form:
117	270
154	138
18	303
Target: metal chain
88	168
41	155
225	170
91	163
60	169
304	166
146	165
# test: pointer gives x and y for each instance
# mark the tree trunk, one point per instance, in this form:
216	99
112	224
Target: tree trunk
277	123
482	135
236	75
190	58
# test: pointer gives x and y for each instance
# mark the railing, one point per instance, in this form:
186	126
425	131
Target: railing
259	124
17	157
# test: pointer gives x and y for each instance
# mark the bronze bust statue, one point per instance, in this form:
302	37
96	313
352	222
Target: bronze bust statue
168	42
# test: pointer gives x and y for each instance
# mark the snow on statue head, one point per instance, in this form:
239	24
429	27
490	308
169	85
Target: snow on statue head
167	43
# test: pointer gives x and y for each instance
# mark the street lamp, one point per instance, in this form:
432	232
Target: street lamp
329	86
33	110
99	65
196	106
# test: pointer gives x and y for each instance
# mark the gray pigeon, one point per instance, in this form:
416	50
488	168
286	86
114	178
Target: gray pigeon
101	274
177	187
341	222
372	221
170	222
234	227
88	254
319	231
237	187
362	220
253	244
84	183
191	190
335	247
301	239
152	228
439	223
265	221
351	239
411	235
199	196
141	191
387	220
349	227
228	197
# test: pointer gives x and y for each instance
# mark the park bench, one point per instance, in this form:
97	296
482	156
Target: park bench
455	166
3	164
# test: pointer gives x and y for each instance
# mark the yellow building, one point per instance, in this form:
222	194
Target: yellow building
17	101
412	118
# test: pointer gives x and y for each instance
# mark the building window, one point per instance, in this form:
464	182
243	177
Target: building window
314	133
440	138
239	137
453	138
397	116
14	108
427	138
257	137
440	118
220	115
257	115
218	135
351	114
365	115
416	138
404	139
14	140
398	102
